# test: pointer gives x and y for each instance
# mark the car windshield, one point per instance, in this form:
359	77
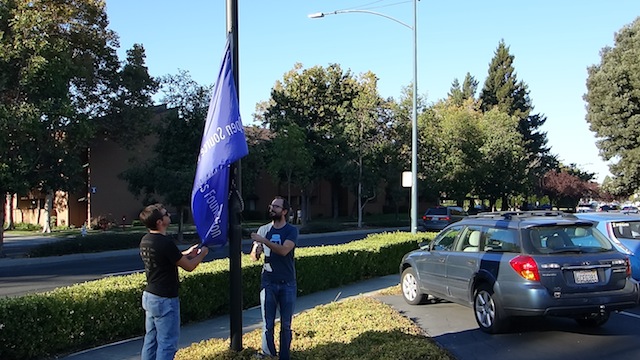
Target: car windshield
626	229
437	211
572	238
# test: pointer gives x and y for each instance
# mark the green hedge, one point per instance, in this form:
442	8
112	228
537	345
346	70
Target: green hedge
102	311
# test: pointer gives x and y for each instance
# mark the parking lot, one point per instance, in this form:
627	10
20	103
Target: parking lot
453	326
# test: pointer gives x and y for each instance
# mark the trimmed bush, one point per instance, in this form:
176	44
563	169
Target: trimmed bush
98	312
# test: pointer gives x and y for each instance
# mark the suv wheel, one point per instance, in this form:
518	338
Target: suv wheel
488	310
411	289
593	320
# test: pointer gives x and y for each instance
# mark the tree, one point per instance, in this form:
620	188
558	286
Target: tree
502	167
129	108
613	107
290	160
468	90
365	132
503	90
459	144
316	100
171	171
566	189
258	139
56	63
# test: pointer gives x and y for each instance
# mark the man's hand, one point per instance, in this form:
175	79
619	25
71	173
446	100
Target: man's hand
191	252
256	251
259	239
203	250
194	251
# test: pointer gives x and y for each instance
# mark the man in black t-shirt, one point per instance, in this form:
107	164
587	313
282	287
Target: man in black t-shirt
160	301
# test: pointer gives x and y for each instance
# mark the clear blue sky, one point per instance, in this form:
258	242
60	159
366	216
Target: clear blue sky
553	43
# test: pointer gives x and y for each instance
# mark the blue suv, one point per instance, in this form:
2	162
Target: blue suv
508	264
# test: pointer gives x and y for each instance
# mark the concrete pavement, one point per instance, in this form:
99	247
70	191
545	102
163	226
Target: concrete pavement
251	319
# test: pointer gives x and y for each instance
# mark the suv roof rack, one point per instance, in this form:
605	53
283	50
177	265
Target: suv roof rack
520	214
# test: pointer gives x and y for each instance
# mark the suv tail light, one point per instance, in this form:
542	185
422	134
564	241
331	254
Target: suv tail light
526	267
446	218
627	264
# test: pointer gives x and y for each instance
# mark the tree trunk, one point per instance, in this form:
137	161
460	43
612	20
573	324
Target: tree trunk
305	208
505	203
289	190
335	199
4	199
48	205
9	225
180	224
360	192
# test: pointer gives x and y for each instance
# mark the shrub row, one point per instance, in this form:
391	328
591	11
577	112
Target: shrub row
102	311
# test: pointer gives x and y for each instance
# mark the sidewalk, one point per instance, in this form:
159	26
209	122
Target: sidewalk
219	327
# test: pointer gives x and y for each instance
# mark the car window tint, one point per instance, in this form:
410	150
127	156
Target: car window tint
436	211
504	240
627	229
444	241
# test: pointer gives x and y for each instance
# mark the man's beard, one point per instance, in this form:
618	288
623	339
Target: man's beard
276	217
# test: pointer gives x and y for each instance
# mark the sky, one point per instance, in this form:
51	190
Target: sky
553	42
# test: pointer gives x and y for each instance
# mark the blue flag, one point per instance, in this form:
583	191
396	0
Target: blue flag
223	143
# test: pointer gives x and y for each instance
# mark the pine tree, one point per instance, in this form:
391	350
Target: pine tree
503	90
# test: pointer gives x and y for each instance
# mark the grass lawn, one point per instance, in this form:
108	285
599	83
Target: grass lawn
355	328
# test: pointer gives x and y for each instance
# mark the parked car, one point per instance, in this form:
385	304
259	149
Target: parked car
507	264
437	218
623	230
608	207
629	209
586	207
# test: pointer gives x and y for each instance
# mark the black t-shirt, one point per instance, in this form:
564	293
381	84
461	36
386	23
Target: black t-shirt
160	255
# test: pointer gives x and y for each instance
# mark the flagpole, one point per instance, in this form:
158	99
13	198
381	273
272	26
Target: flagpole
235	207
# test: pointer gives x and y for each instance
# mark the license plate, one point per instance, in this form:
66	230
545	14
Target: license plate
585	276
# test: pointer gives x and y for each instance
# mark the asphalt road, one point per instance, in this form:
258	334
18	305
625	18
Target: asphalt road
37	275
453	326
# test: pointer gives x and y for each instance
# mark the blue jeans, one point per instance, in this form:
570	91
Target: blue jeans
282	296
162	324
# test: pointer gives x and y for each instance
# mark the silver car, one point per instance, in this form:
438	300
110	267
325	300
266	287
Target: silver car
439	217
509	264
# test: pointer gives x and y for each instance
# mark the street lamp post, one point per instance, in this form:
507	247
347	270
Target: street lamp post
414	114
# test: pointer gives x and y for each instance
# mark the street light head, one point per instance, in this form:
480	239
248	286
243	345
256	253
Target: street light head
315	15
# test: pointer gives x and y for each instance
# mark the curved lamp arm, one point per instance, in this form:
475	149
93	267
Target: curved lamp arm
323	14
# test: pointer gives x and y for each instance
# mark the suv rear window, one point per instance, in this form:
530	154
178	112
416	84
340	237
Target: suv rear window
556	239
436	211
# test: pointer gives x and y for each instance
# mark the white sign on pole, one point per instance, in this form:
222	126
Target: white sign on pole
406	179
